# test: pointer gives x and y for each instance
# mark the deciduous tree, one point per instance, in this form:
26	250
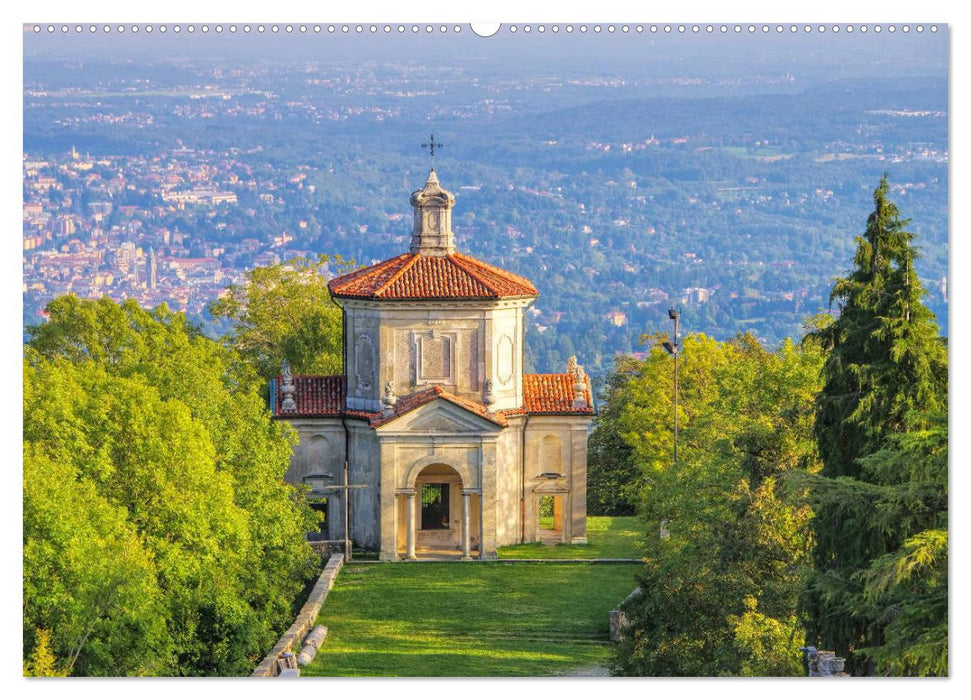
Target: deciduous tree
285	311
163	425
725	543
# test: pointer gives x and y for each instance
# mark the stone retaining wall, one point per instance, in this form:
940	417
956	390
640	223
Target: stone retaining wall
326	548
618	618
305	620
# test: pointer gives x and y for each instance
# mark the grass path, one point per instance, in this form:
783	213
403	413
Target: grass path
479	619
609	538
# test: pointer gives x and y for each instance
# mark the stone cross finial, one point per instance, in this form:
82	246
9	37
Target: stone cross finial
431	146
575	370
288	388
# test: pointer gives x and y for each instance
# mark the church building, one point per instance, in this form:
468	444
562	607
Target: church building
451	449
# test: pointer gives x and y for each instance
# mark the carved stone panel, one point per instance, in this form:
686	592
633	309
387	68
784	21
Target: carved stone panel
364	363
435	358
504	360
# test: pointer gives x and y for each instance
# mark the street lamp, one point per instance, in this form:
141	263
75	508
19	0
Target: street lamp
672	348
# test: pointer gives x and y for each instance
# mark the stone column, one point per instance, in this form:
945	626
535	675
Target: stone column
411	525
489	488
481	527
466	526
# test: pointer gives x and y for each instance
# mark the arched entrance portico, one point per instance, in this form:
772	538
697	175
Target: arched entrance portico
438	516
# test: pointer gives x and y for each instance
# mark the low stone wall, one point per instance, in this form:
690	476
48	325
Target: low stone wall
326	548
618	618
305	620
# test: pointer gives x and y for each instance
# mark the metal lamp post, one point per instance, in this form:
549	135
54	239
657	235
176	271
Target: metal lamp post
672	348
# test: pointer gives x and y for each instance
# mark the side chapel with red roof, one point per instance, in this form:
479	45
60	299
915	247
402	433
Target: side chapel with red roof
453	450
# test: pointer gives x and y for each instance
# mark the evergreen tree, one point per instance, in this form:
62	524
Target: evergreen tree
885	354
885	362
613	484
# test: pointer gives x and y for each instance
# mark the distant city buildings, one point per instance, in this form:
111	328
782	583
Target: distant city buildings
617	318
696	295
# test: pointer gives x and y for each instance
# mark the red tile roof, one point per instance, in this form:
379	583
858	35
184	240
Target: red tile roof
315	396
553	393
323	397
416	276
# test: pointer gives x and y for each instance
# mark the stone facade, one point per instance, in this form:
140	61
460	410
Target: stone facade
451	448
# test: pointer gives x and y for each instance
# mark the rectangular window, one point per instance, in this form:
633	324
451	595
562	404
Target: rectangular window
319	505
434	507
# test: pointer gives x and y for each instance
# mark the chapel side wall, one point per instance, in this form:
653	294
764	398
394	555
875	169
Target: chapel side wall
505	368
578	479
509	482
364	468
569	435
320	449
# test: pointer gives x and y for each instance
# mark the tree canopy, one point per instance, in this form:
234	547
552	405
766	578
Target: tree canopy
878	592
159	535
725	542
282	312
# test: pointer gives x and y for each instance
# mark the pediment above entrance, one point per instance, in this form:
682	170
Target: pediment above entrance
440	417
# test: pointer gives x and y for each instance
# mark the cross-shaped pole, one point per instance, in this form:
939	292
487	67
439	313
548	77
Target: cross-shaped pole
431	146
346	488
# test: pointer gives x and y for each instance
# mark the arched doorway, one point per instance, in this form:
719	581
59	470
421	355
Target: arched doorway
438	517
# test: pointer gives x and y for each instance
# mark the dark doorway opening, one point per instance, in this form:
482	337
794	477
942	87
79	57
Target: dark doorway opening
434	507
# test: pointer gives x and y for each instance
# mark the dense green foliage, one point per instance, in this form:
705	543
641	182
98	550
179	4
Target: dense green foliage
885	356
878	594
725	544
613	486
285	312
159	535
482	619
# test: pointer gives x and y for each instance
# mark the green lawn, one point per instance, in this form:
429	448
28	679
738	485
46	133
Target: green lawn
609	538
469	618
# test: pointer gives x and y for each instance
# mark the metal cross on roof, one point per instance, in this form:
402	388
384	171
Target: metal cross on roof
431	145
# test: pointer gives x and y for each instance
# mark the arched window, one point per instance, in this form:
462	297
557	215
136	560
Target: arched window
317	449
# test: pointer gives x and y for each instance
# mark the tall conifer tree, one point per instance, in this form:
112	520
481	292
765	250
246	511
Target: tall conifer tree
886	364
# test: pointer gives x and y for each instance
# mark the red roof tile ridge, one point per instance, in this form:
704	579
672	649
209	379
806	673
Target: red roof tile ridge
397	275
554	393
491	268
454	260
337	284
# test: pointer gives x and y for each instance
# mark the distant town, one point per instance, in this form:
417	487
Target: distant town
165	180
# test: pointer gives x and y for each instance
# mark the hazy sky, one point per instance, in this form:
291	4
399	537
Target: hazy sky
820	54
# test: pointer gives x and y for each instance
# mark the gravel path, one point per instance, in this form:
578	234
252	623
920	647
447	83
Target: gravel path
587	672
